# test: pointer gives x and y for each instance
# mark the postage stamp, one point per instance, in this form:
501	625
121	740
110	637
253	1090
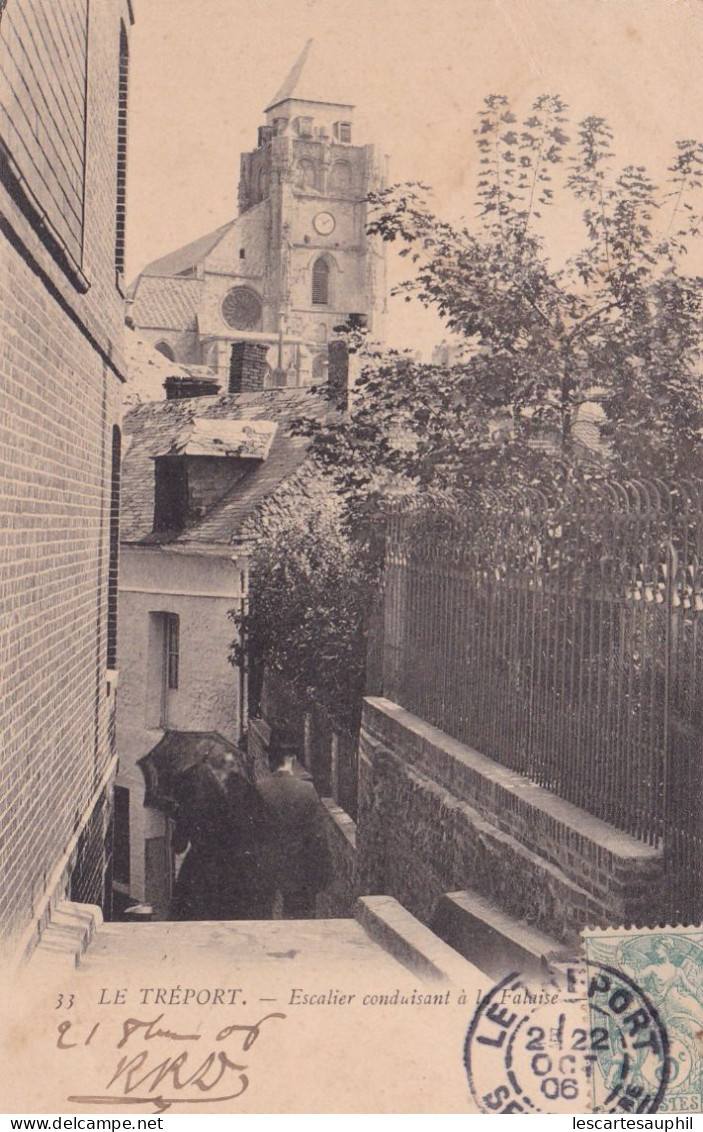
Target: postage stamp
662	970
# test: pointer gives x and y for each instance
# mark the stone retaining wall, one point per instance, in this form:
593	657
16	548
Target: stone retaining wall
436	816
339	897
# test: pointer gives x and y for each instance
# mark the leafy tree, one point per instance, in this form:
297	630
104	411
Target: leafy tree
310	586
616	323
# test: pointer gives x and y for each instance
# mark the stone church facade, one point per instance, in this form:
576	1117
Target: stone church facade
295	262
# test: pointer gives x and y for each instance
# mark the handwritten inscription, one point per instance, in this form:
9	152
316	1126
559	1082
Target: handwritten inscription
155	1069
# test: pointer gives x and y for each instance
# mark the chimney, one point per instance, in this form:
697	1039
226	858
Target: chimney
248	367
338	372
178	388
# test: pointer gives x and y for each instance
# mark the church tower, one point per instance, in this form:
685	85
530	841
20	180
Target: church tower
308	167
294	263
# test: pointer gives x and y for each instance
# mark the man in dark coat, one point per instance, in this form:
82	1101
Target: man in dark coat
298	852
203	827
221	816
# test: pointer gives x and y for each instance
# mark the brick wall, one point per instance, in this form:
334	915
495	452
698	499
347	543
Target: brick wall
60	365
43	65
436	817
89	876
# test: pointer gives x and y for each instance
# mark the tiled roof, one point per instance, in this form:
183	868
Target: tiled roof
151	428
169	304
147	369
187	256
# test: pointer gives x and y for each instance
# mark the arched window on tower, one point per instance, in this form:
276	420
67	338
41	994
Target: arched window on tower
340	177
166	350
306	174
262	183
320	283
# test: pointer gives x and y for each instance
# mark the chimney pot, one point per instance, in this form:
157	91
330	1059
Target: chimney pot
248	367
180	388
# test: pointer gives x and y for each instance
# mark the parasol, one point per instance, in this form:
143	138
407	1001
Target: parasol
178	751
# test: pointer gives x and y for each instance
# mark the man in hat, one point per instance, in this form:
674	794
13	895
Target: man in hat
298	852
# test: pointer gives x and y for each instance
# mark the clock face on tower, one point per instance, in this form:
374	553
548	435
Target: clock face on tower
324	223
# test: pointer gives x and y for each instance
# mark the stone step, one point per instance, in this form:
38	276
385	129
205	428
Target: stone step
489	938
68	934
410	942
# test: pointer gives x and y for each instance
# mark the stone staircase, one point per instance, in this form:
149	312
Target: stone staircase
382	940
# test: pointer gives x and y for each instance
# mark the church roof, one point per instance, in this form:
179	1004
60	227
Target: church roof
152	428
310	79
166	304
189	256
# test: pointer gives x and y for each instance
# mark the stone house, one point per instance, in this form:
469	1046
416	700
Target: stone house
198	469
294	263
63	120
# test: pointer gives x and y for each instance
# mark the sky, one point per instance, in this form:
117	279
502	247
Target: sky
202	71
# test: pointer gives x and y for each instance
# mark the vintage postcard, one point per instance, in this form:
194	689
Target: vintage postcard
351	418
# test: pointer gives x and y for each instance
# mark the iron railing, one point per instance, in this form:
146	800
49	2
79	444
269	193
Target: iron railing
566	643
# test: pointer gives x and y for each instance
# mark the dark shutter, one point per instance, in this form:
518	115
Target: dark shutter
320	283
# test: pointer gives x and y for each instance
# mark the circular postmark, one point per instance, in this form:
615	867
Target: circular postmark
589	1041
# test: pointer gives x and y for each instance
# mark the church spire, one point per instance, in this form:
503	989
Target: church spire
292	80
312	78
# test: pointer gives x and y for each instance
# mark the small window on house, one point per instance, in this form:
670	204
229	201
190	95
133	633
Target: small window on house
320	283
166	350
305	127
170	493
342	132
242	253
171	649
